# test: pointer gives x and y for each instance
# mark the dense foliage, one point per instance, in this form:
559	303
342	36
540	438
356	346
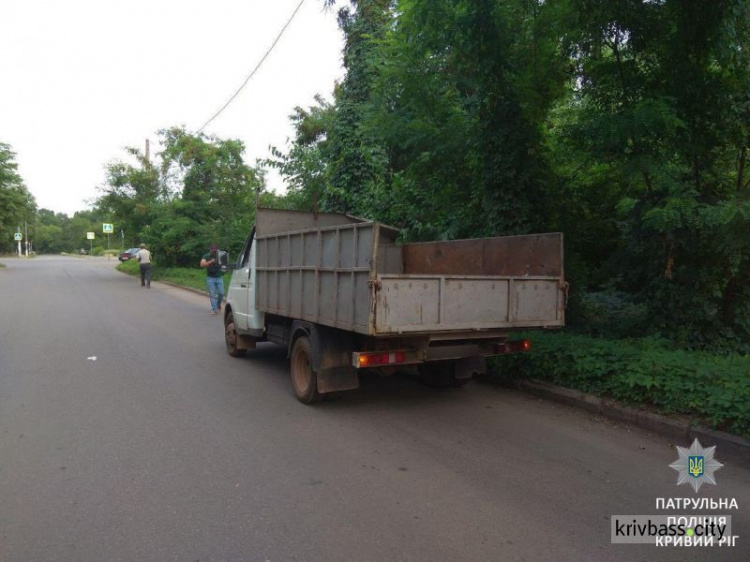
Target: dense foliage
624	124
707	388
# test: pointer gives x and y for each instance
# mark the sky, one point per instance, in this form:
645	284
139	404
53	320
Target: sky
82	79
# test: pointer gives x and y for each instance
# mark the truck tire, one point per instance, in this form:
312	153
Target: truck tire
440	374
231	338
304	378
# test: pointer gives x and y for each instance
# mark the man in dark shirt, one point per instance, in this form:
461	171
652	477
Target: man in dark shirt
214	277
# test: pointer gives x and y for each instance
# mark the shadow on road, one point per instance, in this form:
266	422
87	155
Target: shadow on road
401	389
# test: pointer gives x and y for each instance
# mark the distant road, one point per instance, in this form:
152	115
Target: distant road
165	448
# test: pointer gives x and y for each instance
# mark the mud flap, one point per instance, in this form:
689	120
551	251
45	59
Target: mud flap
337	378
245	342
332	355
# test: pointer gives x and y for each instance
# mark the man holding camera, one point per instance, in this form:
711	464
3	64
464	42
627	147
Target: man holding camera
214	277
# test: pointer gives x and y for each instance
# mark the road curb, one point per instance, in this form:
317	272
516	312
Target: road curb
175	285
728	445
196	291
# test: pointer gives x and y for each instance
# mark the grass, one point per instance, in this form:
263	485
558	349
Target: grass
182	276
711	389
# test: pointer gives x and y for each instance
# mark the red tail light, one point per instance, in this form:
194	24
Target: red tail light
378	358
517	346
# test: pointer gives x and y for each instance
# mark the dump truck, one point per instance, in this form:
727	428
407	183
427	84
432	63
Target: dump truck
341	294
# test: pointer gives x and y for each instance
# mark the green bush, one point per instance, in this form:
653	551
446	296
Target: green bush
611	313
130	267
711	389
97	251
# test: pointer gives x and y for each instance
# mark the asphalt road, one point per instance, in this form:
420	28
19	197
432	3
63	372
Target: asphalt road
165	448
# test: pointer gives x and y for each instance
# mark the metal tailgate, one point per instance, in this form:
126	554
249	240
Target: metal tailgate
491	283
451	303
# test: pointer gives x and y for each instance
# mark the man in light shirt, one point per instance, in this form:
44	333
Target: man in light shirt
144	259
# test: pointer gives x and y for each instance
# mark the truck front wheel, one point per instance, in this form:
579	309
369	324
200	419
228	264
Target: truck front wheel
231	338
304	378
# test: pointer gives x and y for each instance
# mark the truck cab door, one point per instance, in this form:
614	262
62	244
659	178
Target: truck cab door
239	286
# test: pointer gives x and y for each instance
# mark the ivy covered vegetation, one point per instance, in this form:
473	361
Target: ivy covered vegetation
707	388
623	124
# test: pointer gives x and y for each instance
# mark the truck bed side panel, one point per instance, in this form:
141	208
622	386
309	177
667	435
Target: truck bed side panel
531	254
320	275
352	276
413	303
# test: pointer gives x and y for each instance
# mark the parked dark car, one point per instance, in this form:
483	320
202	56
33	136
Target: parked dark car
128	254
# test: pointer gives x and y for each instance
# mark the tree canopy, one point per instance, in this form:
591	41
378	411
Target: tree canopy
624	124
198	191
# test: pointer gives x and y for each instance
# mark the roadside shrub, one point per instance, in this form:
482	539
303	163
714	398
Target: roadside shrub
711	389
194	278
97	251
130	267
612	314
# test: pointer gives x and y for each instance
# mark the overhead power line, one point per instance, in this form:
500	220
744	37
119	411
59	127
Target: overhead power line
249	76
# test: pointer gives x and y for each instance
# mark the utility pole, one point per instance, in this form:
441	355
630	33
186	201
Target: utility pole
148	151
26	230
19	241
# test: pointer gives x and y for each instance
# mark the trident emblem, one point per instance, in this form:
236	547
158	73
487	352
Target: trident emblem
696	466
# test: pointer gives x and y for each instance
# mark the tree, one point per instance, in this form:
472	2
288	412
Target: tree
217	197
357	165
459	100
659	113
17	205
305	164
624	124
199	191
132	196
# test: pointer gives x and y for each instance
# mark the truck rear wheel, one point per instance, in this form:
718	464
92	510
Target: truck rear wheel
304	378
231	338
